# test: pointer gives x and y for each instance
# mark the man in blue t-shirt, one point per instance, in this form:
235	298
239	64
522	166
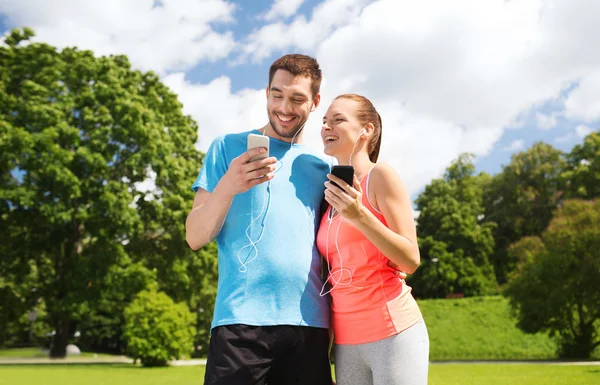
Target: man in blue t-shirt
270	322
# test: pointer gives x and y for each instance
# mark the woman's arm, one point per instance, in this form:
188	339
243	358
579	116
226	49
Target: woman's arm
397	241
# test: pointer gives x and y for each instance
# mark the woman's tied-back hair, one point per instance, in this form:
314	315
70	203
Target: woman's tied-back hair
365	114
299	65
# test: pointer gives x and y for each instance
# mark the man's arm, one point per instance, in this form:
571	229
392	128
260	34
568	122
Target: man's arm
206	219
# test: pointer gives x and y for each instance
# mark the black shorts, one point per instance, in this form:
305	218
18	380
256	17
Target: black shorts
268	355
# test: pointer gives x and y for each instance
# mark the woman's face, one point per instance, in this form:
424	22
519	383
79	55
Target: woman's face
341	129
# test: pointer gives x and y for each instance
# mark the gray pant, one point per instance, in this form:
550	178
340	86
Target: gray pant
402	359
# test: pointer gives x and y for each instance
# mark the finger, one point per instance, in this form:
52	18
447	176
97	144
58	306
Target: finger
333	188
357	184
252	172
332	197
262	179
259	163
333	204
260	172
245	157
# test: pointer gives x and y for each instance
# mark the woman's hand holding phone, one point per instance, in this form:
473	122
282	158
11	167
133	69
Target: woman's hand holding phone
344	198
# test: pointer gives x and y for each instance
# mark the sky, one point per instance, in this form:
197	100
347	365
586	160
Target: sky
489	77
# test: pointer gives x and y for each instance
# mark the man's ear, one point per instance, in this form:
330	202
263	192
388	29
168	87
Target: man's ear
316	101
267	92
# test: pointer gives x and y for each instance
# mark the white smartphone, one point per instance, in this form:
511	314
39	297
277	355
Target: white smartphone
255	141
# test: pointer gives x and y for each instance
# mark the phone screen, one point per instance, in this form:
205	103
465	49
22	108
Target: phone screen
345	173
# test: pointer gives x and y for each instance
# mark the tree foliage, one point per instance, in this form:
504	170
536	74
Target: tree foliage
520	200
95	167
455	245
558	287
157	330
582	174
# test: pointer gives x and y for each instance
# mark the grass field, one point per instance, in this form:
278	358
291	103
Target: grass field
440	374
38	353
480	328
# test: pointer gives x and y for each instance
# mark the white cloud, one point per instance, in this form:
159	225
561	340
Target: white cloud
545	122
447	77
515	145
301	34
475	66
216	109
283	8
173	35
582	130
584	101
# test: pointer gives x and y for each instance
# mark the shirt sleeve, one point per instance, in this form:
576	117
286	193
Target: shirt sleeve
213	168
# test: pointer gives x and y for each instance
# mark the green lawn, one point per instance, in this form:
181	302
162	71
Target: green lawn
37	353
440	374
480	328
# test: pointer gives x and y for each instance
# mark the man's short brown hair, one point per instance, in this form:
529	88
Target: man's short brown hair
299	65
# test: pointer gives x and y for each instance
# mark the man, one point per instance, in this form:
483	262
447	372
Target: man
270	323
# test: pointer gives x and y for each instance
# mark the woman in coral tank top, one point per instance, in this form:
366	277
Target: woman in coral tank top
379	332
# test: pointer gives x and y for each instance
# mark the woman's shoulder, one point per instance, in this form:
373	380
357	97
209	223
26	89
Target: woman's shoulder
385	181
384	174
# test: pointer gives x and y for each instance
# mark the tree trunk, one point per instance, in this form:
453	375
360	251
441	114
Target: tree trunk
61	339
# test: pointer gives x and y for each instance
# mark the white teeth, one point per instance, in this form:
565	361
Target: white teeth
284	119
330	138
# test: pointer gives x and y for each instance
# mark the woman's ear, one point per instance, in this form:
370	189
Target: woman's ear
368	130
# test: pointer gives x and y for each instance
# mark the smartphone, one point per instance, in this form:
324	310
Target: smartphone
255	141
345	173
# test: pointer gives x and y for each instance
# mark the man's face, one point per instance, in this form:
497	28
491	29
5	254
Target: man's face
289	103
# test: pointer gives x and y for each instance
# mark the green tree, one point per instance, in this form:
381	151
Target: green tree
101	327
455	245
582	174
79	136
157	329
520	200
558	288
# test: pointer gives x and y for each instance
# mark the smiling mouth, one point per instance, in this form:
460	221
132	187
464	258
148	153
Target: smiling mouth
285	119
329	139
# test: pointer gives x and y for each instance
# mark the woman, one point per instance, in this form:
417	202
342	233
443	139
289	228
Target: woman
380	335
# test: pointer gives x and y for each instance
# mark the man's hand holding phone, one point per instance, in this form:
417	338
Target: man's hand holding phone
244	174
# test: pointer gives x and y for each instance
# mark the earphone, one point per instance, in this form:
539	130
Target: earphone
341	269
266	203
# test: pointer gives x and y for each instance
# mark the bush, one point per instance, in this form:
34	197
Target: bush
158	330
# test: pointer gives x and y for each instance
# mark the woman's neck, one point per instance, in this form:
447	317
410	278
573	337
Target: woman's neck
360	161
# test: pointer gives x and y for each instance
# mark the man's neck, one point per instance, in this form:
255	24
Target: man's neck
270	132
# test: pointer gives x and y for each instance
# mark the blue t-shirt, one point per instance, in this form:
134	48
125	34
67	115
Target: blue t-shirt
280	282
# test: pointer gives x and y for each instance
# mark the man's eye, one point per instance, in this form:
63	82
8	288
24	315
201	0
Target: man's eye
276	96
298	101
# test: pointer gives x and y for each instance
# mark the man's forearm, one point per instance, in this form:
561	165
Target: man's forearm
204	222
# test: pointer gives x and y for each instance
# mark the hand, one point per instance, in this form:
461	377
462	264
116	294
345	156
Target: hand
346	199
242	176
399	273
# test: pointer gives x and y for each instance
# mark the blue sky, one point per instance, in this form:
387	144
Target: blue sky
487	77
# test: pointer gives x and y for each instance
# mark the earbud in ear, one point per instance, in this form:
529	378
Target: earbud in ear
363	132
